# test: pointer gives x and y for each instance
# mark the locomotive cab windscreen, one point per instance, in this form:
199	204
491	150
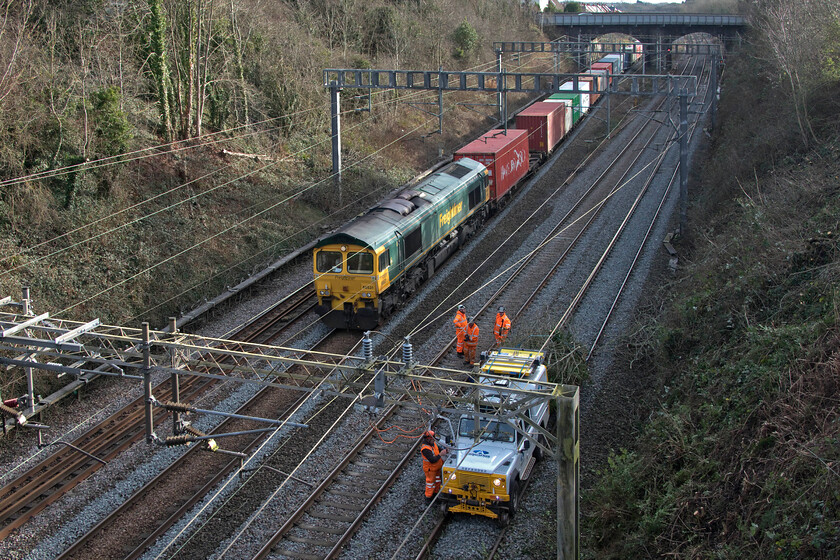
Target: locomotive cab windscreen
346	284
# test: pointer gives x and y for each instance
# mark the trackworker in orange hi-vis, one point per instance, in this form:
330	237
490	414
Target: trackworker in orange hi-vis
502	326
460	321
470	342
432	463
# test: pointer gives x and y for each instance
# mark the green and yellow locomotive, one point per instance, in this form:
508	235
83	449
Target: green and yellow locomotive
366	269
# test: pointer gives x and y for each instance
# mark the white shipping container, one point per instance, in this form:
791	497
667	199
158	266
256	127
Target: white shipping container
567	114
584	97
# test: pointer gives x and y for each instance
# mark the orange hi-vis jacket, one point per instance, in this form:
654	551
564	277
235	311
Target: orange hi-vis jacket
460	321
431	469
435	452
502	327
472	335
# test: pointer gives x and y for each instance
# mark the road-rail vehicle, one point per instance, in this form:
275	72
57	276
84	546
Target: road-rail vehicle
491	459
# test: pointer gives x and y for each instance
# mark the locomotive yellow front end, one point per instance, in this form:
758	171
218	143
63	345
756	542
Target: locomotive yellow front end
347	286
474	493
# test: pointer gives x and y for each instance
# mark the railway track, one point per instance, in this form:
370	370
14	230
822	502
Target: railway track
337	500
46	482
431	537
327	519
324	523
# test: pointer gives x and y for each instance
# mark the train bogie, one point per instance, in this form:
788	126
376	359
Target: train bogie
504	153
367	269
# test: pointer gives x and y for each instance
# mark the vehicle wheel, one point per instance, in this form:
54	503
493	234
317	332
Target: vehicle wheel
444	507
513	504
504	519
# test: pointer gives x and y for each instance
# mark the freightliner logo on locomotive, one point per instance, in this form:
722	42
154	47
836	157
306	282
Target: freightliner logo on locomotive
446	217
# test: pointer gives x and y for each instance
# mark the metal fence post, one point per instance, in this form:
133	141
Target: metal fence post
683	159
335	98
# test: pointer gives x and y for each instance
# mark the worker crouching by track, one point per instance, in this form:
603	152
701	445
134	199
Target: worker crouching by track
432	463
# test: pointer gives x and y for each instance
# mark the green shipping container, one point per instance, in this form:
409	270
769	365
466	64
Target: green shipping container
575	99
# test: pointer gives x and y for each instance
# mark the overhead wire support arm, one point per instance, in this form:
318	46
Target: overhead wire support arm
441	389
500	82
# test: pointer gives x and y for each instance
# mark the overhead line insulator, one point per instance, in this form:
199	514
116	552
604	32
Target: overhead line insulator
178	407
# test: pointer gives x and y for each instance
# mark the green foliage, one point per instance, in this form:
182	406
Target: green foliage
159	65
573	7
113	131
465	38
282	99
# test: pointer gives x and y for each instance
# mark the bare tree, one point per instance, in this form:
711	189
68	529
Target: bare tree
15	31
798	37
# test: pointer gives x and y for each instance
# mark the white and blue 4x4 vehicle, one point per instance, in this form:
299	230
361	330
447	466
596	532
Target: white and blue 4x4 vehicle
490	461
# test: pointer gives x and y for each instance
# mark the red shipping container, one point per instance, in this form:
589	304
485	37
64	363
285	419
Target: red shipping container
505	154
604	66
545	123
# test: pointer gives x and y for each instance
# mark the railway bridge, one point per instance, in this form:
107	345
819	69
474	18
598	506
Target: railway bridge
659	27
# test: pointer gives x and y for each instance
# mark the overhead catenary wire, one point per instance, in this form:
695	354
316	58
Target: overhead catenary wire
431	318
58	251
288	157
247	462
227	229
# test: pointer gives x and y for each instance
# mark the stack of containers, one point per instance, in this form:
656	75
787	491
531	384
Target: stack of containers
597	80
571	102
605	66
546	124
504	154
616	60
584	97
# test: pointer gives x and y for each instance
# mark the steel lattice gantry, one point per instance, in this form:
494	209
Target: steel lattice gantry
69	347
500	82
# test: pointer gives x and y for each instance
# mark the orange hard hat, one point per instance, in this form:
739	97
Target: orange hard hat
429	434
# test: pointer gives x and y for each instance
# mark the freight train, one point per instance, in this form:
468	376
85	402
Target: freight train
366	269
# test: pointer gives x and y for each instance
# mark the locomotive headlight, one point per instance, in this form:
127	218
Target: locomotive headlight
497	482
343	248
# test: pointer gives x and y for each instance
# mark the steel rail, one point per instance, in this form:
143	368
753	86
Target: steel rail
41	485
632	266
430	539
166	475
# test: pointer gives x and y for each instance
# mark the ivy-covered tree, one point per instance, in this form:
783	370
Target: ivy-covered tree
466	40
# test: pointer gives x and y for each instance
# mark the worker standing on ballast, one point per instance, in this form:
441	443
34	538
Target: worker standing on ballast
470	342
432	463
460	321
502	326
